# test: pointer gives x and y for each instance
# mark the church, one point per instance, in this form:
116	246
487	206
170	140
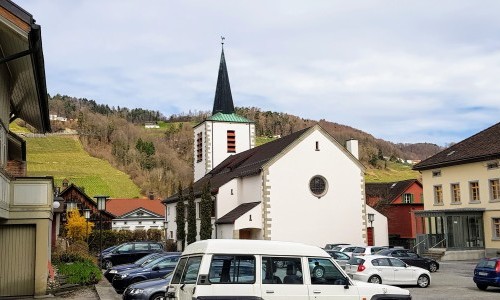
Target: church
305	187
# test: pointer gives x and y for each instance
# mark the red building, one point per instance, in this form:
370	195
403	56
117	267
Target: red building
398	201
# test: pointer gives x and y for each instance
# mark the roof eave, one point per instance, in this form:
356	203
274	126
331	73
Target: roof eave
456	162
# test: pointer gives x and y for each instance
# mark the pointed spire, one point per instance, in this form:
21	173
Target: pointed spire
223	101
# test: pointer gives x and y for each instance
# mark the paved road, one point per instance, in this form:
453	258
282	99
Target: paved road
454	281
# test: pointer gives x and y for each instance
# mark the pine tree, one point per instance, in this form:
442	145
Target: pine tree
179	220
206	213
191	217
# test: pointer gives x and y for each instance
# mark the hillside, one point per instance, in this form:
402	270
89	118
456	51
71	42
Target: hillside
159	160
63	157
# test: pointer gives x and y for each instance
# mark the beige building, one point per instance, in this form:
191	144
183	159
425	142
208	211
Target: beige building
462	197
25	203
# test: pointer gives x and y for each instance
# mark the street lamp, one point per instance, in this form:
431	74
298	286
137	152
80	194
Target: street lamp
371	218
86	212
101	206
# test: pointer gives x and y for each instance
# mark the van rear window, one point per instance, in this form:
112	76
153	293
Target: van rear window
232	269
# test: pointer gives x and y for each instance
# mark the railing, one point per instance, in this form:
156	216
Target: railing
439	243
417	245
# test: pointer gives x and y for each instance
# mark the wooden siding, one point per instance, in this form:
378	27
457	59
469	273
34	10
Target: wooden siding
17	258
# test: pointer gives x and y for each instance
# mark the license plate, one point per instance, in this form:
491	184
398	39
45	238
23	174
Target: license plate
482	273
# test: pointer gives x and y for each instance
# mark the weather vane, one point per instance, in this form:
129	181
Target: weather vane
222	42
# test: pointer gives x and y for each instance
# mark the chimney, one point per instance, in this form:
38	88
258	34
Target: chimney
151	196
352	146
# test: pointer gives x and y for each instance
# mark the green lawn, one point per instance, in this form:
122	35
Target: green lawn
393	172
63	157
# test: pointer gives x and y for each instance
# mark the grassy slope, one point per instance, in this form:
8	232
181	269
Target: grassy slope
63	157
393	172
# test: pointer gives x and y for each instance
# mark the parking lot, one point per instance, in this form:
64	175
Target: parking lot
454	281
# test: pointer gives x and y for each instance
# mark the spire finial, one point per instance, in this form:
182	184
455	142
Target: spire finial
222	41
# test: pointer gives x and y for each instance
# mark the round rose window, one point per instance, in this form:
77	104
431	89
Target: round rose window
318	186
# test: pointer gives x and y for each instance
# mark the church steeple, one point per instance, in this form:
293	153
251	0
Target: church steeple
223	101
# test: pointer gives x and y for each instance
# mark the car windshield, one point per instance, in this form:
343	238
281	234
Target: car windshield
384	252
147	259
487	263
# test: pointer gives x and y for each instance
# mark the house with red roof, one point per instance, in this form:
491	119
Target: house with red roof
132	214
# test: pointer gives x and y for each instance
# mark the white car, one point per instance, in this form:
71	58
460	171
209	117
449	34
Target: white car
386	270
368	250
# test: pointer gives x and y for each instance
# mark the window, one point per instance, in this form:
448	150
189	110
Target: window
455	193
438	195
168	262
407	198
397	263
494	190
281	270
323	271
232	269
381	262
474	191
187	270
199	147
231	141
171	234
436	173
318	186
155	247
141	246
496	228
197	210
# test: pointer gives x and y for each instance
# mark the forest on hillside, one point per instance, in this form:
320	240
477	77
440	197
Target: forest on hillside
157	160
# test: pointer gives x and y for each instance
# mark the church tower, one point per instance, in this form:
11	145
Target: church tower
224	133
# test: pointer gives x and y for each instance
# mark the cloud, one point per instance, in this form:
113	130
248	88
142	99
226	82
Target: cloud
421	71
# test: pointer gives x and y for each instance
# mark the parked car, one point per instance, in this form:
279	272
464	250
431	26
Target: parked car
129	252
331	246
347	249
387	270
152	289
155	269
106	251
368	250
487	273
412	258
110	273
340	257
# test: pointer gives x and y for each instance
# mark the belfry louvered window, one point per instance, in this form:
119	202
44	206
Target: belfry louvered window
231	141
199	147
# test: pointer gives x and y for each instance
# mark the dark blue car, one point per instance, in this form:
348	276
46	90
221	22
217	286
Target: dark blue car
152	289
159	267
487	273
110	273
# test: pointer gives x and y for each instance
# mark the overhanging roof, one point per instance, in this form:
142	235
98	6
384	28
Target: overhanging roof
22	60
448	212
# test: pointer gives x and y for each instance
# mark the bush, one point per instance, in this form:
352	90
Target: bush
81	272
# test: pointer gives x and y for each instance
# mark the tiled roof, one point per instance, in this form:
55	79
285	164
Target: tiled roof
119	207
239	211
482	146
221	117
243	164
388	191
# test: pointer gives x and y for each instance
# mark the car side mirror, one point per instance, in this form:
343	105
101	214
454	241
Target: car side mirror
406	265
156	268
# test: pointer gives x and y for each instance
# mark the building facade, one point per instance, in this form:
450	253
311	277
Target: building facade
462	196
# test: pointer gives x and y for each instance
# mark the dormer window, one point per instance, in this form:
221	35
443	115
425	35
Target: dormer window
492	165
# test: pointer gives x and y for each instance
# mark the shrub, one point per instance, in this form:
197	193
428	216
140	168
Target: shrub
140	235
81	272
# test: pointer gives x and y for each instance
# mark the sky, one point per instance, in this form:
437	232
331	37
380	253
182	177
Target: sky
402	71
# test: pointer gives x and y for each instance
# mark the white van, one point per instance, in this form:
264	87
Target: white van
257	269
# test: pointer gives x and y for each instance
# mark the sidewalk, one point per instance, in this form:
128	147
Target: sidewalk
106	291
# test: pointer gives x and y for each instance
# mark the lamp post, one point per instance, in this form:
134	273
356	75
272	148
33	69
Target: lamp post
371	233
86	212
165	223
101	206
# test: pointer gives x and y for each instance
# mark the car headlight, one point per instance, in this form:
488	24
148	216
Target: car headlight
123	276
113	272
136	291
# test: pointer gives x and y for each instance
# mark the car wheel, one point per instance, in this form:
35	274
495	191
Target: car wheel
433	267
158	296
482	287
423	281
318	271
375	279
108	264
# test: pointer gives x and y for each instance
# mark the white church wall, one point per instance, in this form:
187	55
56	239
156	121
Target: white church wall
227	198
380	227
225	231
250	189
251	219
297	214
200	168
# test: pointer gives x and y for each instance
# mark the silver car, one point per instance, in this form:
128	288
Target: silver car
340	257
